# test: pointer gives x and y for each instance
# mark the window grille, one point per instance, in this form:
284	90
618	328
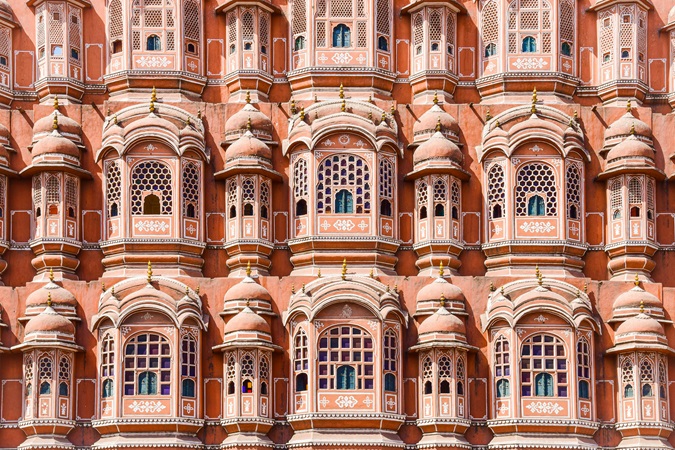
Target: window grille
28	374
191	188
418	29
53	188
346	359
188	364
153	177
496	192
321	34
191	20
45	367
299	22
300	360
616	199
489	27
543	367
444	374
107	366
573	178
339	173
383	21
584	368
341	8
300	186
539	179
635	191
435	25
390	358
502	367
147	365
247	26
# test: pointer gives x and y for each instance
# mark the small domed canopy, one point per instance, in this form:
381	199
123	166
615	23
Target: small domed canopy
640	332
237	125
430	297
6	14
248	146
438	147
66	126
55	144
631	148
631	156
250	294
49	329
442	329
62	300
631	302
428	124
625	126
247	330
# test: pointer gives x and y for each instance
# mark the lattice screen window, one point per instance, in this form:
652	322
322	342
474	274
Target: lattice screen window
71	196
191	25
344	185
5	52
264	375
53	191
341	8
635	197
300	360
536	191
450	34
247	29
616	199
383	24
663	379
543	367
40	30
584	368
530	26
231	374
444	374
248	195
232	198
435	31
154	23
45	374
641	36
490	29
389	360
115	26
37	195
3	190
264	199
566	27
573	191
496	192
422	194
56	18
387	180
627	20
247	373
188	365
627	378
191	188
113	183
264	32
299	23
650	200
440	197
151	179
646	377
75	35
300	182
232	31
606	25
321	34
460	375
427	375
361	34
418	33
107	373
28	374
502	367
64	375
455	199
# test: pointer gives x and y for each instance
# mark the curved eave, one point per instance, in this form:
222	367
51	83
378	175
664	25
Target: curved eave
246	343
229	4
248	169
416	5
8	172
641	346
602	4
438	170
226	143
56	167
444	345
633	169
43	344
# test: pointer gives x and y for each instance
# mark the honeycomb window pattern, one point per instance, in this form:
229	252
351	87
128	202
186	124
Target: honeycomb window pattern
496	191
191	185
340	172
539	179
152	177
573	191
113	181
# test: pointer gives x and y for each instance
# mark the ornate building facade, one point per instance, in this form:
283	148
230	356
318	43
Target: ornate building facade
314	224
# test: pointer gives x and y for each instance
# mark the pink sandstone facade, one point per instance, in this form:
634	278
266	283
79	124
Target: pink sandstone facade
337	224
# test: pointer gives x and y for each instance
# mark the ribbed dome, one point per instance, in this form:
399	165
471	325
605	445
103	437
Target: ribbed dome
630	148
152	120
635	298
623	126
247	289
247	320
240	120
640	324
430	119
55	143
49	322
540	294
58	295
442	321
65	125
433	292
535	122
248	146
438	147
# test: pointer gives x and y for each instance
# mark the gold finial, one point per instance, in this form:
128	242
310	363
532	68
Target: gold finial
440	270
108	111
628	106
343	107
248	96
642	306
342	91
153	99
248	269
49	299
436	98
395	288
632	130
293	109
103	286
197	290
112	291
497	124
187	291
51	274
384	117
636	282
248	124
55	123
534	101
492	287
292	288
370	116
344	268
370	98
488	116
248	302
149	272
585	287
303	288
438	124
199	114
388	288
537	274
302	113
188	122
115	119
576	115
393	109
442	300
318	273
372	273
501	290
56	102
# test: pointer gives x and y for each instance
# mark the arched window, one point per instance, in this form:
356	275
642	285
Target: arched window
647	377
502	365
107	373
627	378
663	380
616	199
263	375
455	199
340	175
231	375
529	45
536	206
28	374
151	204
300	187
566	49
247	373
232	198
341	36
490	28
45	368
191	189
422	198
153	43
248	194
188	364
496	192
460	376
151	178
382	44
440	197
490	50
301	207
299	43
390	358
539	179
264	199
427	375
444	374
543	367
354	345
573	191
584	368
300	360
567	26
115	25
385	208
147	365
650	200
113	186
64	376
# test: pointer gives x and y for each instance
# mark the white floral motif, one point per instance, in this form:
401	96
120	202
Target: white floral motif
530	63
344	139
545	408
346	312
537	227
146	406
344	225
154	61
328	143
342	58
541	318
372	324
151	225
368	402
346	401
